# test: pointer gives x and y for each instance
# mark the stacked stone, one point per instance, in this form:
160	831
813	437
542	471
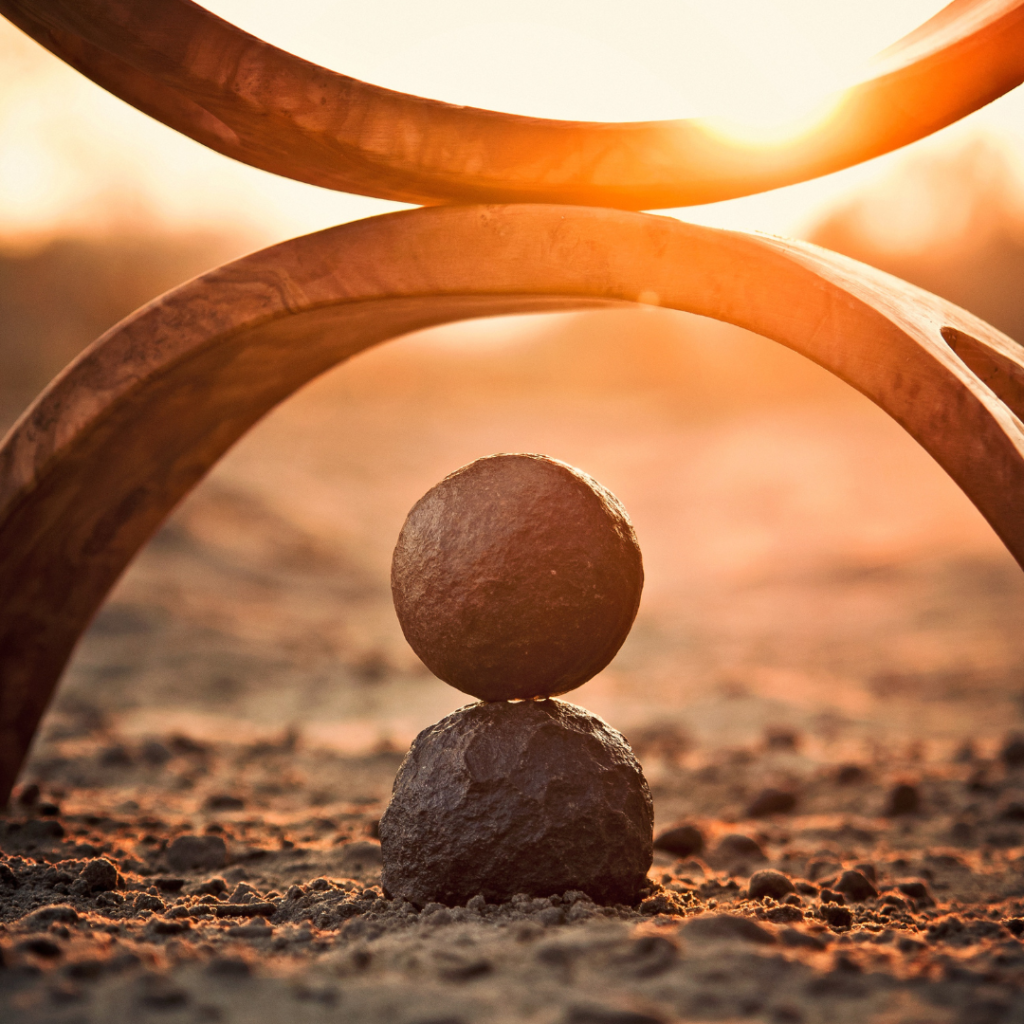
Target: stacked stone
516	579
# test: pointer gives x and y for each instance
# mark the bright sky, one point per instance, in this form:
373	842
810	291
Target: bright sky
73	158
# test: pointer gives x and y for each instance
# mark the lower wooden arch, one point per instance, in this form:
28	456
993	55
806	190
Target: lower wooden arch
105	453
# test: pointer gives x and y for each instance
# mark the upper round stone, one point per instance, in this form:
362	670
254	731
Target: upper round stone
517	576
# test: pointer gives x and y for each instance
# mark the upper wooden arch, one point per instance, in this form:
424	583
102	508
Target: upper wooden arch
95	465
254	102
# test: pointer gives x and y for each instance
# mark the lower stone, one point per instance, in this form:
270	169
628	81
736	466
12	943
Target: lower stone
538	797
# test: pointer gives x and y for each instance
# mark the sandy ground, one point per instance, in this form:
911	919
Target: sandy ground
825	615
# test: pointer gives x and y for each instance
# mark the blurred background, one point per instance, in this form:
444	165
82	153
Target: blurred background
810	571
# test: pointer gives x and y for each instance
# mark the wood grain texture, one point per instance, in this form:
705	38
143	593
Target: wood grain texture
105	453
263	106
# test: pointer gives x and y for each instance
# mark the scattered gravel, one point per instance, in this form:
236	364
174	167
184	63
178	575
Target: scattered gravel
829	916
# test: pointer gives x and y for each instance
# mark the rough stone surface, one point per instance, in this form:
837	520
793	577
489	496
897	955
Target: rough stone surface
500	799
517	576
100	875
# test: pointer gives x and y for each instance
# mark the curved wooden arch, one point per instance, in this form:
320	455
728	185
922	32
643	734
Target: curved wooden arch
263	106
105	453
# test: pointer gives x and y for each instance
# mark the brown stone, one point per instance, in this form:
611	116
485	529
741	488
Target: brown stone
517	576
197	853
100	875
681	840
855	886
771	801
538	797
736	848
770	883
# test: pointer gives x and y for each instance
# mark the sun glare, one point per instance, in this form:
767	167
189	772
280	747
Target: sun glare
768	127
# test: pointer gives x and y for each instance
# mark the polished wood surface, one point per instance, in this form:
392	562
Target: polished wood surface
265	107
92	469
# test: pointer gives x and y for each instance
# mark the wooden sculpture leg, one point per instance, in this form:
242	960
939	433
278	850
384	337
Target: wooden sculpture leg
113	444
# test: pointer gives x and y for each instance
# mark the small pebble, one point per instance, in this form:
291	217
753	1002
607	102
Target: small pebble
224	802
680	840
771	801
165	926
914	889
737	847
838	918
1012	753
169	884
50	915
155	753
211	887
850	774
1012	811
194	853
781	738
894	901
116	756
867	870
854	885
28	796
903	799
100	875
818	870
769	883
41	947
